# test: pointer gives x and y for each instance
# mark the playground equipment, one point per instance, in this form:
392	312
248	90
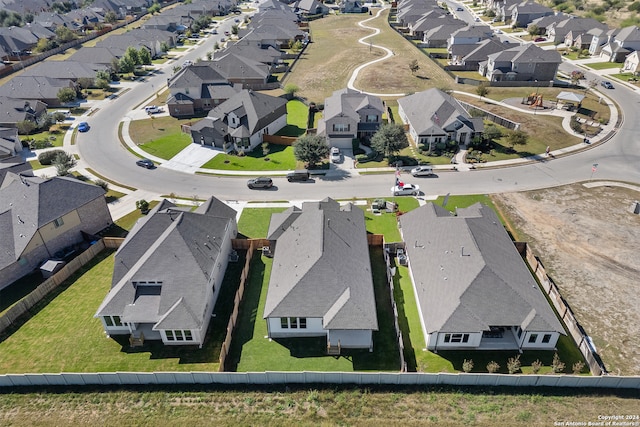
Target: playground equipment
535	100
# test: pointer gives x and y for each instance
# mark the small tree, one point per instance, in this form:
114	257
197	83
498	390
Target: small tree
66	95
513	364
482	90
536	366
216	46
59	116
557	365
85	82
493	367
63	163
516	137
577	367
234	30
110	17
389	139
144	56
533	30
103	184
296	46
143	205
63	34
414	66
291	89
265	149
102	84
25	127
154	8
164	47
467	365
209	55
126	64
133	54
574	124
310	149
492	132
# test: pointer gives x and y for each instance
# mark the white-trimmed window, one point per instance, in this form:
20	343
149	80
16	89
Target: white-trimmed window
178	335
448	338
58	222
113	321
533	338
546	338
293	323
284	322
340	127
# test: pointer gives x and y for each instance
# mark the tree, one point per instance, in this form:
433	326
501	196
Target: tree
66	95
143	205
516	137
297	46
126	65
291	89
154	8
389	139
115	65
132	54
25	127
414	66
85	82
103	74
102	84
164	47
63	163
482	90
557	365
234	30
64	35
144	56
533	30
467	365
209	55
492	132
110	17
265	149
310	149
45	44
514	364
59	116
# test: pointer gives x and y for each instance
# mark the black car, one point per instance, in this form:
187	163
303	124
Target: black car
145	163
262	182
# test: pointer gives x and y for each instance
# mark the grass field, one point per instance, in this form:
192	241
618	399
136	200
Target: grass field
160	136
280	158
603	65
297	115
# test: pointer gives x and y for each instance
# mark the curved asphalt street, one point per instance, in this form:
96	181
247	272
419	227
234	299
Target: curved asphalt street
100	149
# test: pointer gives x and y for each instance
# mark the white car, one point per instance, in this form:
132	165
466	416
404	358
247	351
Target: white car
153	109
405	190
335	155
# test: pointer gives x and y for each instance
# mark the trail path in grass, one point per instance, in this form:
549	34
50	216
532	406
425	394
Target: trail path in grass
389	54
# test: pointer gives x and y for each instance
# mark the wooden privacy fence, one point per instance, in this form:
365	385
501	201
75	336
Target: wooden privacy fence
279	140
493	117
390	275
251	245
564	311
21	307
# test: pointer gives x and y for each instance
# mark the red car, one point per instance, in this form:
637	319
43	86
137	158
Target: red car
540	39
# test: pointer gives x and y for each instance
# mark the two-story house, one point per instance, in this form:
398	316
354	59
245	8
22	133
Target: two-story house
522	63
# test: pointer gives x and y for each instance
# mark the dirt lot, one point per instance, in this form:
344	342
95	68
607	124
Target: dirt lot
589	242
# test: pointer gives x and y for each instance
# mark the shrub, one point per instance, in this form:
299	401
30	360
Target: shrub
513	364
577	367
467	365
536	366
48	157
143	205
557	365
103	184
493	367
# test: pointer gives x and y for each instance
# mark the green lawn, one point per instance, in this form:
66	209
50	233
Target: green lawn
35	165
251	351
603	65
160	136
386	223
55	134
297	114
254	222
62	336
280	158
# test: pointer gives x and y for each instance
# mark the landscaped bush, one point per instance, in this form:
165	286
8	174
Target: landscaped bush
48	157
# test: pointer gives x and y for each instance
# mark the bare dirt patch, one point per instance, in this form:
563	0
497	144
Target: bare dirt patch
589	242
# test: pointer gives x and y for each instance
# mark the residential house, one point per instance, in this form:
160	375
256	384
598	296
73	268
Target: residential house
436	117
351	6
429	20
151	39
321	280
349	114
440	35
469	56
10	145
168	273
558	31
16	110
53	20
63	70
15	165
267	34
470	35
627	40
541	24
198	88
239	122
102	56
43	89
268	55
247	72
86	18
523	14
472	287
17	41
39	218
310	8
171	21
522	63
600	39
632	63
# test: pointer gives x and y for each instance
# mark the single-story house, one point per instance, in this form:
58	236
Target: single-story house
321	282
168	273
15	110
473	289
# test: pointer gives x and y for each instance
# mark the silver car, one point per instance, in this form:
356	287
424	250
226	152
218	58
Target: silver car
405	190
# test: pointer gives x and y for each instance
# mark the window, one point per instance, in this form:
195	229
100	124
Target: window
456	338
371	118
533	337
447	337
284	323
116	321
108	321
58	222
465	337
546	338
519	332
340	127
188	336
179	336
169	335
293	322
303	323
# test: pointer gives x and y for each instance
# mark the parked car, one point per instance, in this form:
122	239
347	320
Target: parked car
405	190
540	39
227	33
261	182
606	84
459	9
498	31
187	63
335	155
153	109
83	127
422	171
300	175
145	163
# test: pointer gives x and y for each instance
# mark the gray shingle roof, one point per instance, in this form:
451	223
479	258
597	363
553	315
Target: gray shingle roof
468	275
176	248
321	267
28	203
348	102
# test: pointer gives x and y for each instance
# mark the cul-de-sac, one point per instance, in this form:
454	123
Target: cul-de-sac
342	192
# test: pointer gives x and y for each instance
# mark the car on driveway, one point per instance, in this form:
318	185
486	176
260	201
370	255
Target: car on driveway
153	109
405	190
540	39
606	84
145	163
83	127
335	155
261	182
